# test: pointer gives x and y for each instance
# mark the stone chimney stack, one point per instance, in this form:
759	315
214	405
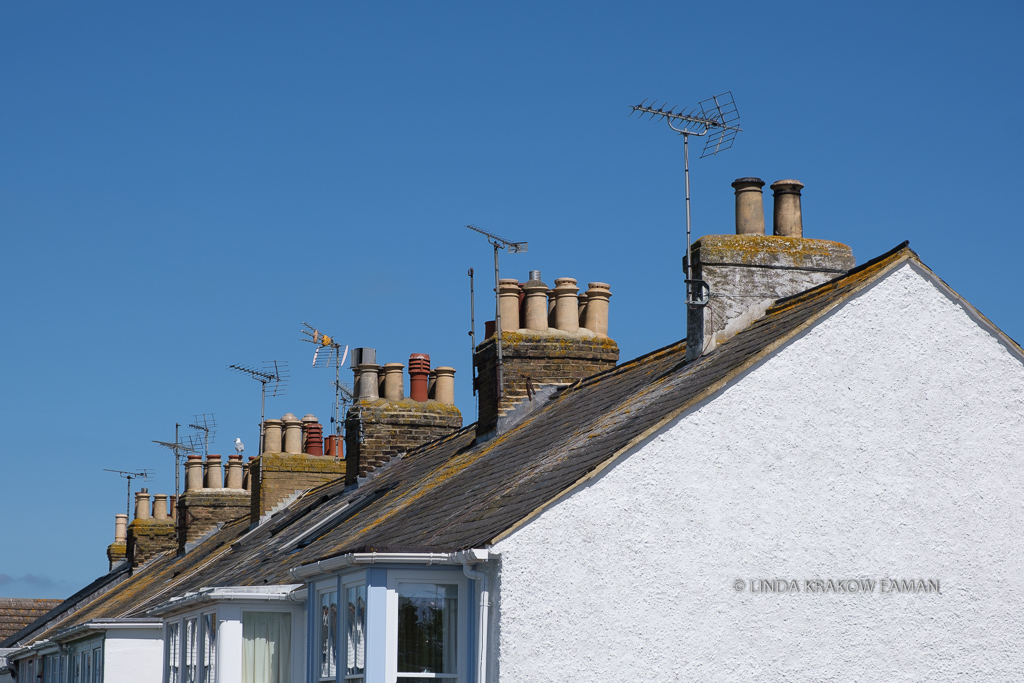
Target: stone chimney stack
148	535
378	428
552	347
117	552
748	271
211	500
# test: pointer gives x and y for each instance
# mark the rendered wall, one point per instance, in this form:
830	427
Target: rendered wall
133	655
887	442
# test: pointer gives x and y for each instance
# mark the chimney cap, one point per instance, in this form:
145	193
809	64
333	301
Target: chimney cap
787	186
747	182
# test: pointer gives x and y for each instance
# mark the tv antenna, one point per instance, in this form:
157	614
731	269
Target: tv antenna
206	430
143	475
274	374
178	448
513	248
329	354
716	118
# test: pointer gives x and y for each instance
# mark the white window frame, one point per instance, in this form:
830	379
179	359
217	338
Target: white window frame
318	624
396	576
356	580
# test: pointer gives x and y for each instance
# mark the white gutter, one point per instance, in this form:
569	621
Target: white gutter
224	594
71	632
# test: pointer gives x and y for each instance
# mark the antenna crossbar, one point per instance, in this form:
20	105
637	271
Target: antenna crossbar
501	242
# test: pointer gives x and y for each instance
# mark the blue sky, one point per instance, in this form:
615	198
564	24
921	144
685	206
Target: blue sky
183	184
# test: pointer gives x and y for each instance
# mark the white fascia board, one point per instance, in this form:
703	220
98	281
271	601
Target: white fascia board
226	594
74	632
333	564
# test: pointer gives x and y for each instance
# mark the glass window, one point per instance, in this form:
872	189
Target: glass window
355	633
191	660
87	666
328	628
210	648
266	647
97	665
427	631
173	648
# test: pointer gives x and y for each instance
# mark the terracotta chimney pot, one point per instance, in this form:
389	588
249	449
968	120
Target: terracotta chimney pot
419	371
508	302
193	472
536	304
567	308
235	474
598	294
214	472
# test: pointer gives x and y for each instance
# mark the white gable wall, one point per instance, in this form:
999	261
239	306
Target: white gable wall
885	442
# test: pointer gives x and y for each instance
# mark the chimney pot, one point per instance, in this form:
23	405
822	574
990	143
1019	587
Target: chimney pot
419	371
292	434
598	294
749	206
142	504
120	528
368	388
536	304
214	472
160	506
582	299
508	302
193	472
551	307
272	436
394	381
567	309
444	390
235	474
788	218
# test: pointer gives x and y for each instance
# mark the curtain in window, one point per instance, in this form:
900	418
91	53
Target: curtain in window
266	647
355	632
328	635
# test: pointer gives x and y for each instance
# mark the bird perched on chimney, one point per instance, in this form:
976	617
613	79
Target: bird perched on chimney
239	446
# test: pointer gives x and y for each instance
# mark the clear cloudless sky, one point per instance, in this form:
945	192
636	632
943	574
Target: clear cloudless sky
183	184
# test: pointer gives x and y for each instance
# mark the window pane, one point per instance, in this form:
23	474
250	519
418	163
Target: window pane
191	660
173	640
328	635
210	648
87	666
427	617
266	647
355	631
97	665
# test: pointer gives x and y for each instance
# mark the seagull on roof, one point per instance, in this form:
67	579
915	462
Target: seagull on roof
239	446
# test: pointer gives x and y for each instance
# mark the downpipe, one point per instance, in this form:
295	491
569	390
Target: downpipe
481	660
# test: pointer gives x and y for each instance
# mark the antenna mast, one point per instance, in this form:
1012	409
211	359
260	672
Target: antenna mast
274	373
179	449
716	118
513	248
335	357
144	475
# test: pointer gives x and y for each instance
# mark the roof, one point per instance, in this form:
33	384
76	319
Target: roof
16	613
455	494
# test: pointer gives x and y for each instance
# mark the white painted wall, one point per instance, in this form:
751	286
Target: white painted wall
885	442
133	655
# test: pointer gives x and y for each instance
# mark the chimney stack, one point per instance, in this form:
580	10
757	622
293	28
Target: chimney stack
117	551
748	271
147	535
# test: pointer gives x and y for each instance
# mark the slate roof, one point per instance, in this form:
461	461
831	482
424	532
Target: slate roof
455	494
16	613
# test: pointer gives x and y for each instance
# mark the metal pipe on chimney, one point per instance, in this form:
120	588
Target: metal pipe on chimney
567	308
444	389
788	216
749	206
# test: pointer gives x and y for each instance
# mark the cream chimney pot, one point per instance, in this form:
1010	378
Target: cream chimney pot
749	206
120	528
272	436
394	381
788	217
582	298
567	308
508	300
159	506
598	294
444	389
194	473
235	474
214	472
292	434
142	504
536	303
